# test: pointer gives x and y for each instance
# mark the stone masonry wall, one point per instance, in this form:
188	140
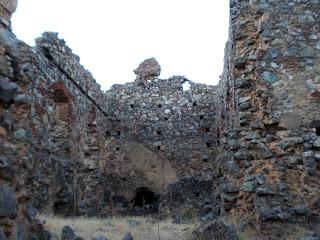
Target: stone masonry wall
246	151
268	172
70	102
52	135
172	123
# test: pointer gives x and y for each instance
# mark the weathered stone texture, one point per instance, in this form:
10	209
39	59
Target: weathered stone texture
216	230
269	102
159	133
52	133
7	8
246	151
8	202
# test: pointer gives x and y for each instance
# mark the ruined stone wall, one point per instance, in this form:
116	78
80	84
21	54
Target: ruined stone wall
268	170
52	135
160	133
246	151
70	105
7	7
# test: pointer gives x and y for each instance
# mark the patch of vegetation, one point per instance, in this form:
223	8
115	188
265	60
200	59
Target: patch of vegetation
142	228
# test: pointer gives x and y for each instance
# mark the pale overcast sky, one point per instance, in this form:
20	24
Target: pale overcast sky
112	37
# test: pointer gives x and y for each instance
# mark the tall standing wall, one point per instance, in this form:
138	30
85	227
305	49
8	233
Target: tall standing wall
268	172
52	135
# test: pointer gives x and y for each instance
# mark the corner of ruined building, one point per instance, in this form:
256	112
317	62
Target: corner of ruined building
7	8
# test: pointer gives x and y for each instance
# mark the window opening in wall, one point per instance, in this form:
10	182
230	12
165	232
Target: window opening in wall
201	117
158	147
47	54
207	129
117	148
108	134
316	124
118	133
205	159
131	105
166	119
197	194
194	104
144	196
159	132
160	106
186	86
124	179
208	145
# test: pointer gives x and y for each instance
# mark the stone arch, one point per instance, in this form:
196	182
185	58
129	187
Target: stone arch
144	196
145	201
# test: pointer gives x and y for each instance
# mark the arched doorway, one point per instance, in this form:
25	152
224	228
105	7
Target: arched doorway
144	196
145	201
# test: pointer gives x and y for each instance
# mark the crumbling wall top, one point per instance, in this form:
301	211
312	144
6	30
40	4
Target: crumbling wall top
59	54
148	70
7	8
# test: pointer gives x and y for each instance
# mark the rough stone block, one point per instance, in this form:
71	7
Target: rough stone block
290	121
8	201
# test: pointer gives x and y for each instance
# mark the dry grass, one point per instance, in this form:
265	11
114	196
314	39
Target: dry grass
115	228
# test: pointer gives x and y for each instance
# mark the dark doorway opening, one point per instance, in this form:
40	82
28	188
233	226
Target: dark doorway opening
144	196
316	124
144	202
108	134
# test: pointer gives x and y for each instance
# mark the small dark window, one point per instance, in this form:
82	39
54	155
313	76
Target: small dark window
205	159
197	194
166	119
201	117
158	147
117	148
194	104
131	105
108	134
208	145
207	129
160	106
47	54
316	124
158	132
118	133
124	179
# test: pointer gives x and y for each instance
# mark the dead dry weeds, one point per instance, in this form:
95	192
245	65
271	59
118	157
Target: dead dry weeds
142	228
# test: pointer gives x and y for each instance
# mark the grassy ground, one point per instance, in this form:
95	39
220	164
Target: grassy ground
115	228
